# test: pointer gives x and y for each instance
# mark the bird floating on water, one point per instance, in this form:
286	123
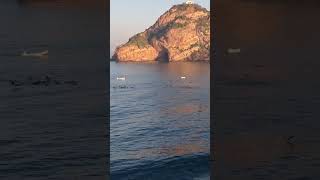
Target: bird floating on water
291	139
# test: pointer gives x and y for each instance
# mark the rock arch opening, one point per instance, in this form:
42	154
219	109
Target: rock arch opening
163	56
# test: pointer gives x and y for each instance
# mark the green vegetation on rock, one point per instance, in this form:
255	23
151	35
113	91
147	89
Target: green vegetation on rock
194	45
138	40
204	23
182	17
184	7
177	25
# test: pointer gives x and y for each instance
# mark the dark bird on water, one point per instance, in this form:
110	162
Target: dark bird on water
291	139
15	83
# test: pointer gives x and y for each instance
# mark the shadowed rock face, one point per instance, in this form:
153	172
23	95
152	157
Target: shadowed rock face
180	34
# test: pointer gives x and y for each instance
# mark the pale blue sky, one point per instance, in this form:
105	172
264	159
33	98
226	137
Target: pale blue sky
129	17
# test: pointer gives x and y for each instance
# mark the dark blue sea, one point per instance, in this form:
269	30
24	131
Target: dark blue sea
52	130
160	121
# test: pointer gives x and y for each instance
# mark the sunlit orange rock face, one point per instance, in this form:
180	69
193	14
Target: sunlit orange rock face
180	34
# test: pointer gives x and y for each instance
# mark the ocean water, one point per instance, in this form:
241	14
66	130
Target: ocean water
159	122
269	92
54	130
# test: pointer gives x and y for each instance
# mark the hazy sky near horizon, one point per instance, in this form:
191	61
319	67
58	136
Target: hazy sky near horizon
128	17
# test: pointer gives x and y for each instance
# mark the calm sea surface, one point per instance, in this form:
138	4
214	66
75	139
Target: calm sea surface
53	131
269	92
160	122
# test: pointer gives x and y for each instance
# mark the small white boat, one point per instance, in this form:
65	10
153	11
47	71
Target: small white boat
183	77
233	51
38	54
121	78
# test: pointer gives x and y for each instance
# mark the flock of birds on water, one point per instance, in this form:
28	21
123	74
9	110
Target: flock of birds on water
44	81
123	78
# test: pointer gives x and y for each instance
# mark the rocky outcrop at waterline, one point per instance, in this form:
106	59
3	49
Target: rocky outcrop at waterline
180	34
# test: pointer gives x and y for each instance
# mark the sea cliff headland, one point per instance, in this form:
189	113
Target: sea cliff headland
180	34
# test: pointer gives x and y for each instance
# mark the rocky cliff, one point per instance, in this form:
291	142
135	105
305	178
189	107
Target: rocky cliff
180	34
